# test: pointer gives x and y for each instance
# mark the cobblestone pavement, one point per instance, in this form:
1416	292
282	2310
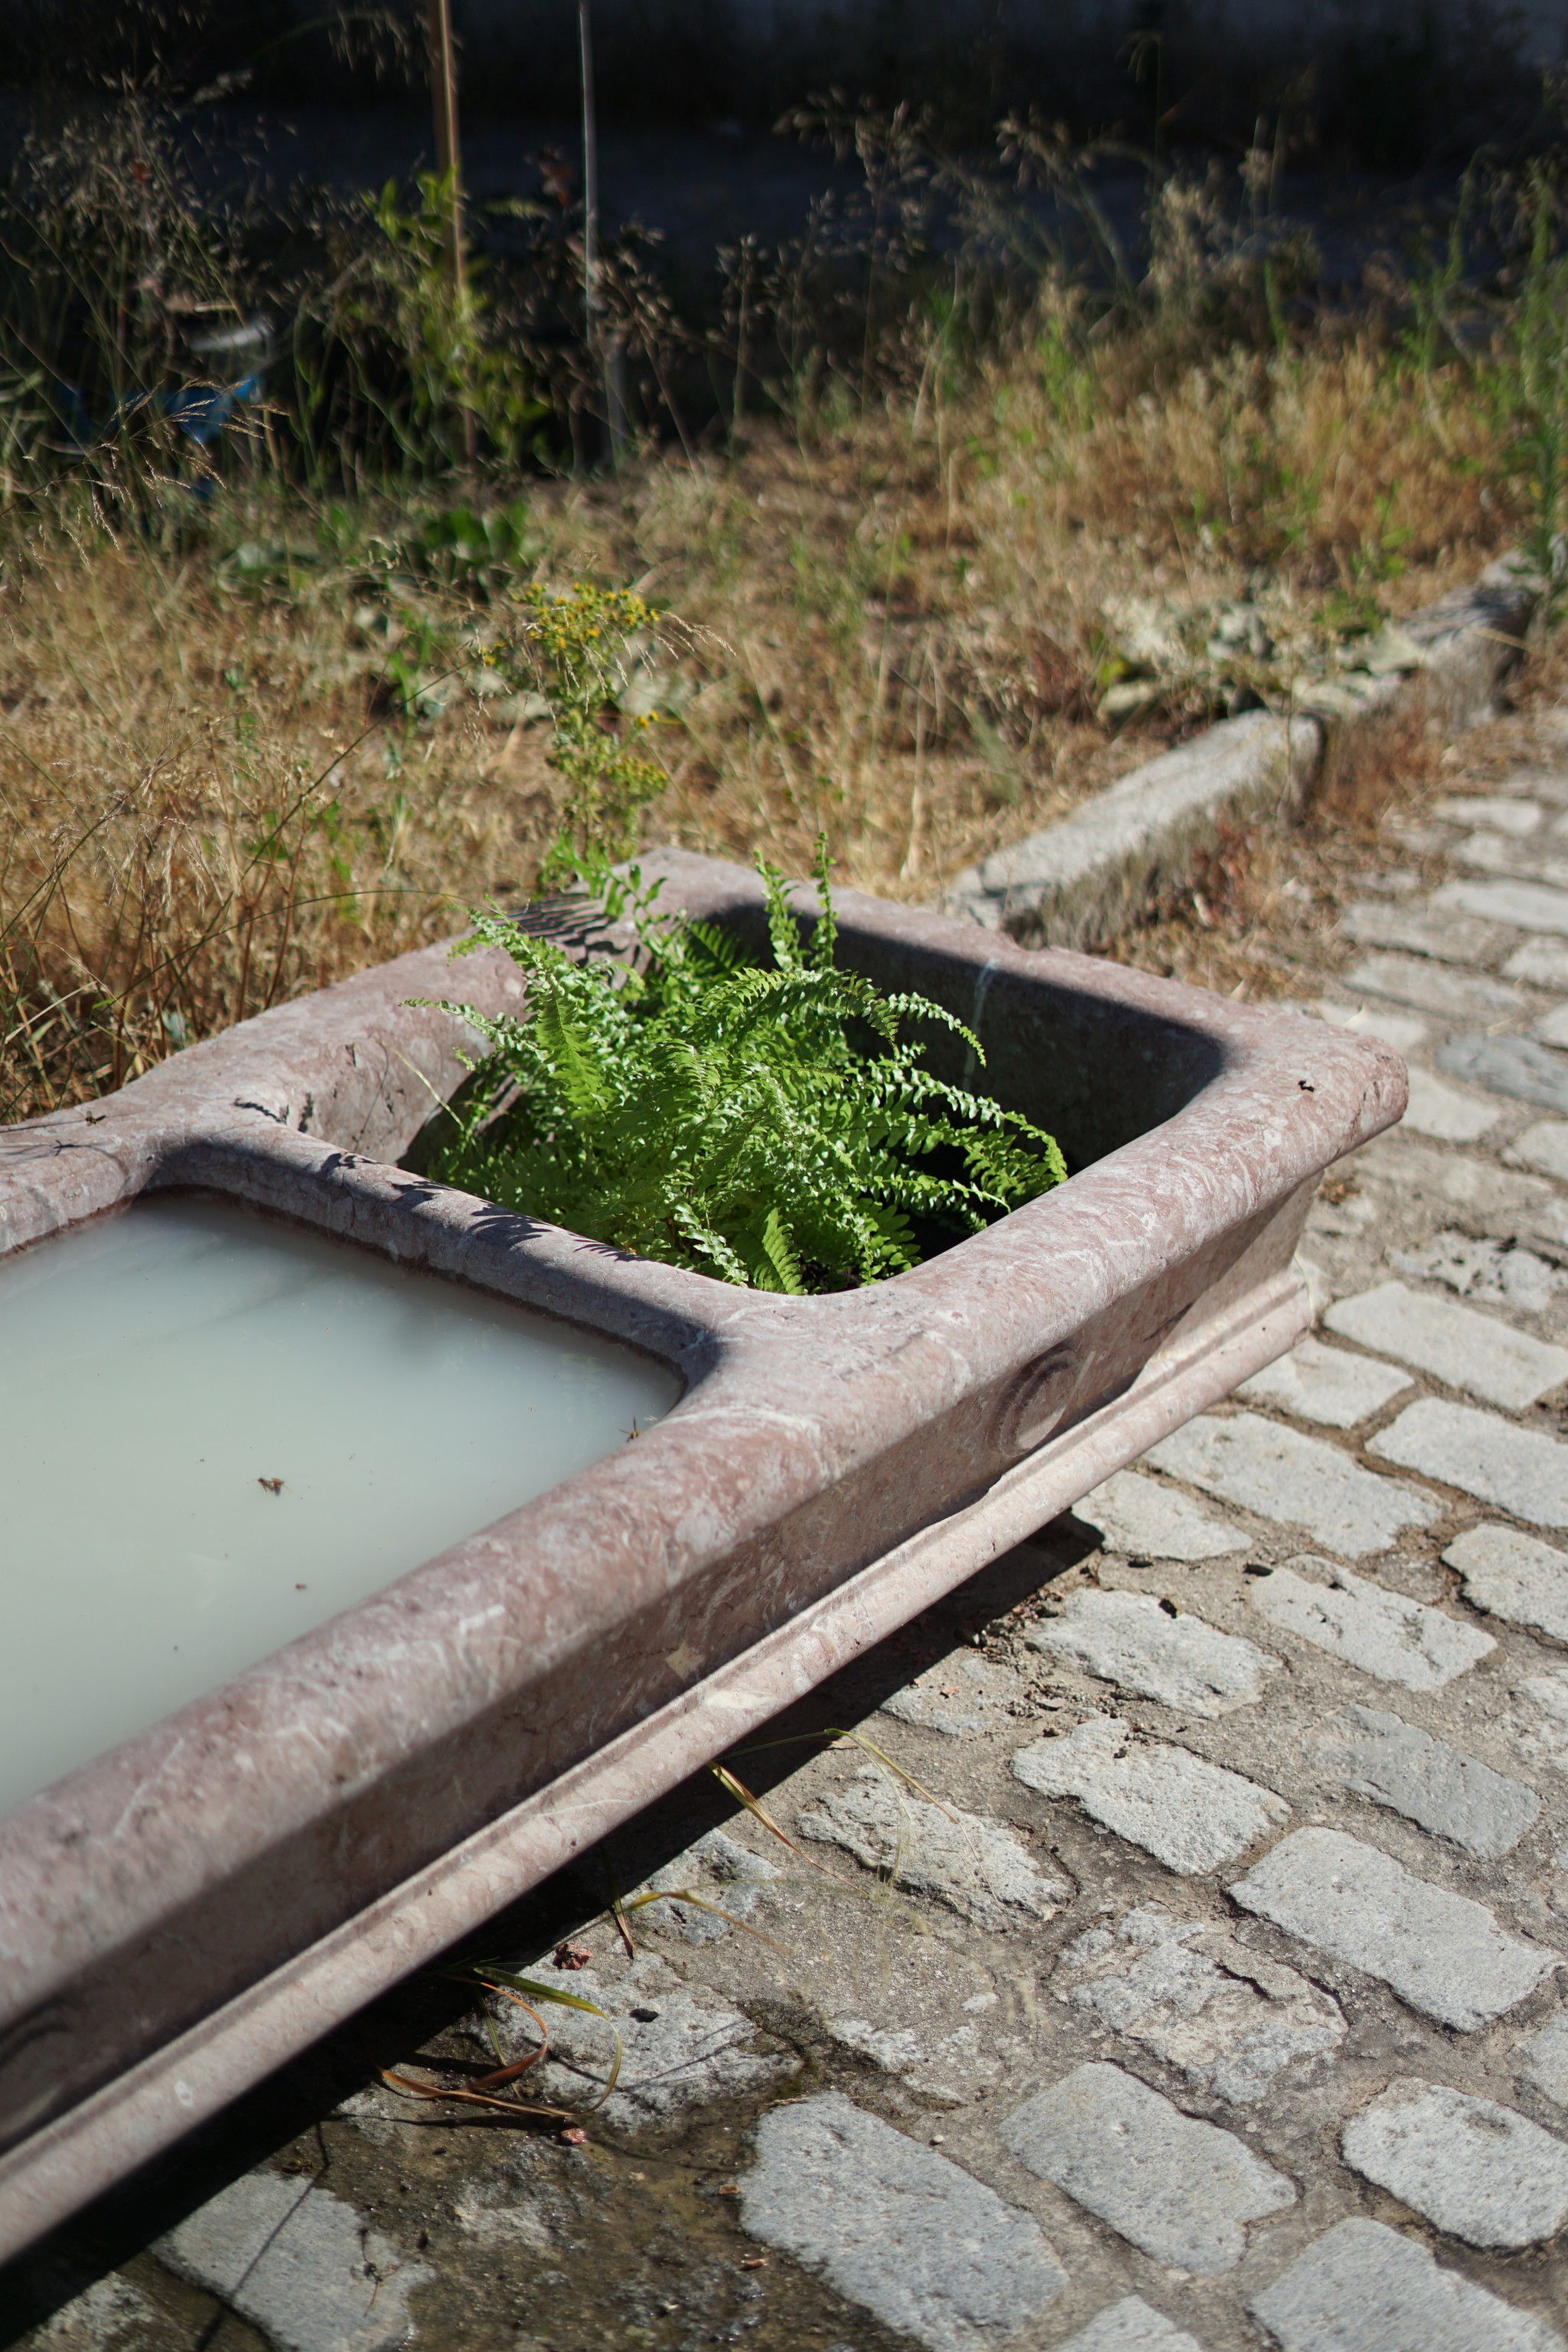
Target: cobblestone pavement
1195	1979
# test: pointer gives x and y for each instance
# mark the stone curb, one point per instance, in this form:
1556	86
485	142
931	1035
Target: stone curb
1077	881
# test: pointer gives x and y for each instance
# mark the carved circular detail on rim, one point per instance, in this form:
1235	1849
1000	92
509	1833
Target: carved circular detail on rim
1035	1400
30	2067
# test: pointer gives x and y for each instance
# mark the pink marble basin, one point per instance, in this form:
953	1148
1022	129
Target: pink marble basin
183	1913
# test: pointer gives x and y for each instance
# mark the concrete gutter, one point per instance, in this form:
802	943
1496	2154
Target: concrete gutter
1077	882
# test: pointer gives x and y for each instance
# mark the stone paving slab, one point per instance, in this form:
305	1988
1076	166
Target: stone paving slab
1523	1470
1180	2189
1445	1114
1539	962
1514	1575
1380	1632
1190	1814
1150	1647
898	2228
1474	2169
1282	1475
1543	1146
1489	1268
1130	2326
1543	2060
299	2263
1441	1952
976	1867
1383	923
1439	991
1524	906
1227	2018
1328	1385
1363	2287
1454	1344
1396	1764
1148	1521
1531	1073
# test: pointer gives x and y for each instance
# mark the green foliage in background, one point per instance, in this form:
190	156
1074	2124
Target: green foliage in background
772	1125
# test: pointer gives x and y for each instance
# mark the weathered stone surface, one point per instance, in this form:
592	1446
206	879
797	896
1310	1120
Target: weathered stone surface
1395	1764
1076	878
718	1870
975	1867
1400	1030
1454	1344
952	2069
1282	1475
1478	1185
1139	1644
1514	1575
1543	963
1496	852
1377	923
1543	1146
1442	1953
1131	2326
1444	1113
1326	1384
680	2042
1543	2059
1478	2170
1186	1813
1553	1027
1489	1269
1196	1998
1363	2287
896	2228
1148	1521
1384	1633
104	2314
959	1696
1503	814
1509	1066
1415	979
1524	906
1522	1469
1181	2191
299	2263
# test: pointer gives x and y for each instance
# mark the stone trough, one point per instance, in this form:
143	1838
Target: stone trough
182	1913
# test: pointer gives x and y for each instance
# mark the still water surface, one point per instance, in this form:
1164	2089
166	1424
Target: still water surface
160	1367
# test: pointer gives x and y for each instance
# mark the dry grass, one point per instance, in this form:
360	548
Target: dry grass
208	803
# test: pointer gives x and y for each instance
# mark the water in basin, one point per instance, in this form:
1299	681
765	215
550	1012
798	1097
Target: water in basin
161	1368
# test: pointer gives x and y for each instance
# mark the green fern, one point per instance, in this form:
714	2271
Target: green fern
774	1127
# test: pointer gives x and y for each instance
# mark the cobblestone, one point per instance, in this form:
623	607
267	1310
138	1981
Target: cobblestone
1150	1647
1513	1576
1393	1763
1543	963
1378	923
1416	980
1227	2018
975	1867
1400	1030
1363	2287
1282	1475
896	2228
1148	1521
1131	2326
958	1698
1543	1146
1188	1814
1179	2189
1543	2060
1498	811
1476	2170
1444	1113
1443	1953
1384	1633
1486	1268
1454	1344
1522	1469
1509	1066
1524	906
679	2043
299	2263
1327	1384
